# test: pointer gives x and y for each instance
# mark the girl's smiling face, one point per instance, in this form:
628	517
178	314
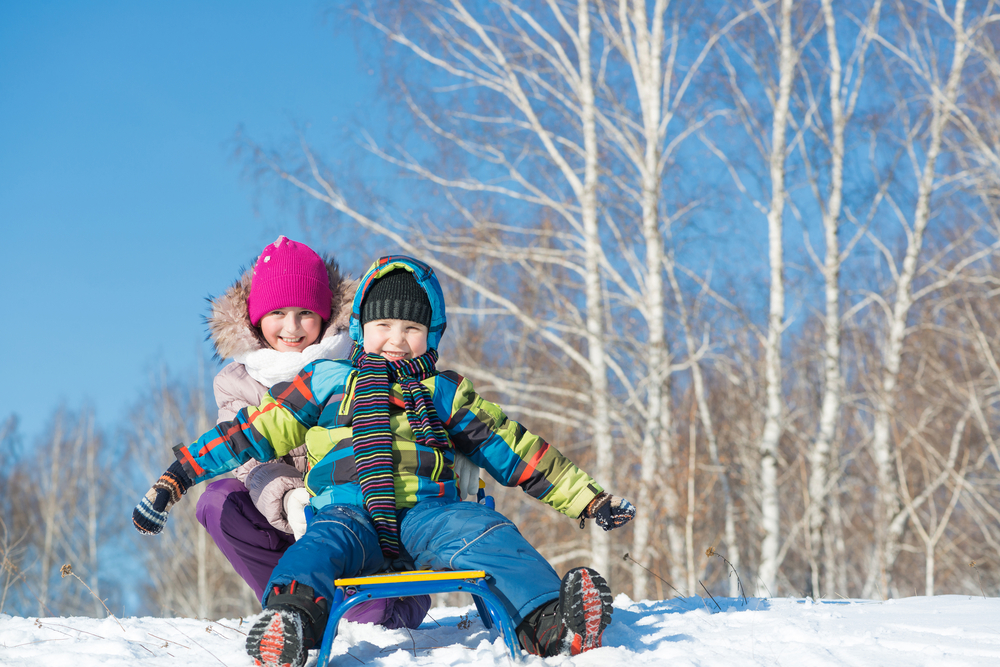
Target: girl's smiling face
291	329
395	339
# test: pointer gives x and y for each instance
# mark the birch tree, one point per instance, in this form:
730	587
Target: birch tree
941	104
587	193
663	87
770	510
64	501
931	535
642	40
844	91
774	150
50	499
14	524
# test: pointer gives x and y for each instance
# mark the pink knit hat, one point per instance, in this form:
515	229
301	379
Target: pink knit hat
289	275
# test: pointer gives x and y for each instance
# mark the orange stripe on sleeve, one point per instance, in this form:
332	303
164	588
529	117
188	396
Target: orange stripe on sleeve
236	428
533	463
297	384
212	444
187	458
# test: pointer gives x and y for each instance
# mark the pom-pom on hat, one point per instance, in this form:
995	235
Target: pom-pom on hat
396	296
289	275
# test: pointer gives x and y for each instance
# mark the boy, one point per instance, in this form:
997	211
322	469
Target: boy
382	430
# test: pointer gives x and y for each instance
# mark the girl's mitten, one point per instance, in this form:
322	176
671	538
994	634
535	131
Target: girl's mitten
150	515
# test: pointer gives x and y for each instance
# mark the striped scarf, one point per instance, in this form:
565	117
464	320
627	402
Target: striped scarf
373	437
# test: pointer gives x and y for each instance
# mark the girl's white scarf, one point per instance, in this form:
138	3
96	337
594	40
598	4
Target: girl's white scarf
269	367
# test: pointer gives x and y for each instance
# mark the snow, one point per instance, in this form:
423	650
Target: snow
939	631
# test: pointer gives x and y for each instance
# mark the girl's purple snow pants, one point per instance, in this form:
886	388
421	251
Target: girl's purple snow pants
253	546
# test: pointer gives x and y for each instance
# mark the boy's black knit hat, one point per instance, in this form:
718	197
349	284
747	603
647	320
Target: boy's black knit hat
396	296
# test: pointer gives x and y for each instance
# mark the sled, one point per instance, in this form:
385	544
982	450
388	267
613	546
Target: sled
420	582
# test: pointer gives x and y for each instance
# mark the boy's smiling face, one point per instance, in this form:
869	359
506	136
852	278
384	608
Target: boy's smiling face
395	339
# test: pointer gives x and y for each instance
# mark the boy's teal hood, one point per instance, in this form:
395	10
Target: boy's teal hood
425	278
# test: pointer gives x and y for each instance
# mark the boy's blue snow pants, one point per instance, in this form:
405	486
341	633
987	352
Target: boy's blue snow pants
439	535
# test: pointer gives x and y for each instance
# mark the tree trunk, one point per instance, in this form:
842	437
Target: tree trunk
671	500
604	459
769	503
829	412
93	503
889	529
705	417
692	570
647	71
50	497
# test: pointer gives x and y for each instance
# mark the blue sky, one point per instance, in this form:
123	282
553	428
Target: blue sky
121	206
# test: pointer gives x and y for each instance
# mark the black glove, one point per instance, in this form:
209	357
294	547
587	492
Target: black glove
150	515
609	511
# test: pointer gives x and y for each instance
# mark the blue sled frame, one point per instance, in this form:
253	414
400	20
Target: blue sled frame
402	584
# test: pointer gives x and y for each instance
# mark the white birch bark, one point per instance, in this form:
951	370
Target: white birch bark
888	527
691	568
598	370
49	502
774	411
732	551
641	37
931	535
93	506
644	48
819	457
836	547
670	500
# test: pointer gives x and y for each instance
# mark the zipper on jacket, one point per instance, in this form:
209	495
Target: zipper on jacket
344	410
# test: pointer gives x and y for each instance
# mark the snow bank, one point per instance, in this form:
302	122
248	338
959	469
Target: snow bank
939	632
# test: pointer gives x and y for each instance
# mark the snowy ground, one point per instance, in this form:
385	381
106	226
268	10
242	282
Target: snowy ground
939	631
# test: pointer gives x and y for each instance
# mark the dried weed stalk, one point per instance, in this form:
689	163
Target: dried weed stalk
972	564
732	570
628	557
67	571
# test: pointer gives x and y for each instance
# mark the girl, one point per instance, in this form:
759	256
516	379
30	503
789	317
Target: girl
291	308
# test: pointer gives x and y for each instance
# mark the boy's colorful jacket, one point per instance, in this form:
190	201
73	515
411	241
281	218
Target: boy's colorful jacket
317	406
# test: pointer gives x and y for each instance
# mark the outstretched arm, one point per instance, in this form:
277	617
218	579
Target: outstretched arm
516	457
263	432
273	428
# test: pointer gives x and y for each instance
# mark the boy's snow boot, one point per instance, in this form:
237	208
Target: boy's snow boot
575	622
275	640
292	623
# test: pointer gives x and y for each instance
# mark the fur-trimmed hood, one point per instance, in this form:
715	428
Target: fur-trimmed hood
229	325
